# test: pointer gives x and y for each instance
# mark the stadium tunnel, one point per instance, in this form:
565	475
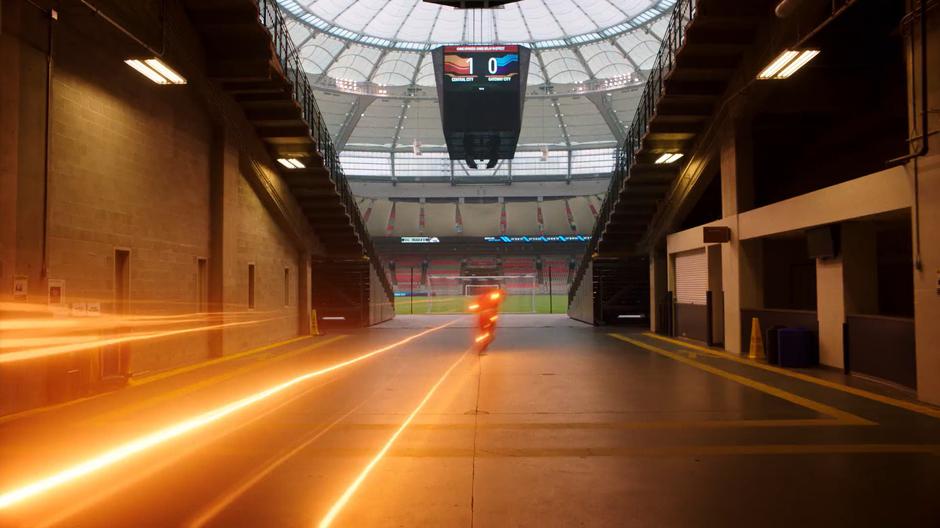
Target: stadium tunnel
241	240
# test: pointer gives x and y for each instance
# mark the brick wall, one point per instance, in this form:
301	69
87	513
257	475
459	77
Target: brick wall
132	168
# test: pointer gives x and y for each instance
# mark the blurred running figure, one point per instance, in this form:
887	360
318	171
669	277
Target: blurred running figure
487	309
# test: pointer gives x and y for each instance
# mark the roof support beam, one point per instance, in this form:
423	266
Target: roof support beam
352	119
602	103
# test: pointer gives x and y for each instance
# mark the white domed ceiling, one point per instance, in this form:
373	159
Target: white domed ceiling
370	62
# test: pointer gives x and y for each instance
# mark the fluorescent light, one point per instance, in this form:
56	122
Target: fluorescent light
669	157
145	70
291	163
787	63
165	71
799	62
155	70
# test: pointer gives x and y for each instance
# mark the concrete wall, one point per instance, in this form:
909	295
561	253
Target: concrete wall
171	174
926	217
742	264
581	306
381	308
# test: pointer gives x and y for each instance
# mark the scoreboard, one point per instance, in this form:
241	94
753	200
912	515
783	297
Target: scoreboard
481	68
481	90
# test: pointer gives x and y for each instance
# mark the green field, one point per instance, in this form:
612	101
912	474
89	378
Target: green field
458	304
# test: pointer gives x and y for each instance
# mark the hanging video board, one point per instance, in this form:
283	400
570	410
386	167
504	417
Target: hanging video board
481	90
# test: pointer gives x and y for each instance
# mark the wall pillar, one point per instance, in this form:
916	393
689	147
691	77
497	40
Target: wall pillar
926	212
223	234
658	287
304	300
830	310
740	271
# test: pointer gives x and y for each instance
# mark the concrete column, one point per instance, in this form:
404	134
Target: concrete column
740	263
830	310
23	106
304	300
926	216
223	236
658	286
716	287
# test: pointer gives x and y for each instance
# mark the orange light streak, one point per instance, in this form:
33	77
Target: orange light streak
482	337
144	443
474	307
344	498
33	353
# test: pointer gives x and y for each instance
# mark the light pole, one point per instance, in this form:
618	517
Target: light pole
412	294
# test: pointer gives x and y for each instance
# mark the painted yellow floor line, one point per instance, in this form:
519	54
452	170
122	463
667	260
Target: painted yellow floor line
887	400
143	380
844	417
206	382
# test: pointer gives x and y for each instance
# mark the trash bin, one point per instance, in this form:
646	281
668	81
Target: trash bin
770	347
796	347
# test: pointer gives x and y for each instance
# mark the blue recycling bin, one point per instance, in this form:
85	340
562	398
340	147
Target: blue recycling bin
796	347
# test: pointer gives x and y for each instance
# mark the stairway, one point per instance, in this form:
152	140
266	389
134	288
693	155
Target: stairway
621	291
250	55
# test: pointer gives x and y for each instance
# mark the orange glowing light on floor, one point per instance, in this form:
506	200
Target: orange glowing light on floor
133	447
344	498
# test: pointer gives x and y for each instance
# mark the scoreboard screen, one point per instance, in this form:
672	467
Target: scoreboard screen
481	90
481	68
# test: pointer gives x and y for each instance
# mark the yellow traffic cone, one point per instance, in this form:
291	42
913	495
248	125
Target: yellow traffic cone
756	350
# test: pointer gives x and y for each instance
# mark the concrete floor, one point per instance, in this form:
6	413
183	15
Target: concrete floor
559	424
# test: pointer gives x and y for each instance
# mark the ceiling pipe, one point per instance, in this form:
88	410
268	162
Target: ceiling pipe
786	8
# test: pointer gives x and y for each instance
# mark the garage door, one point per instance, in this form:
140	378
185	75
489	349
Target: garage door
691	277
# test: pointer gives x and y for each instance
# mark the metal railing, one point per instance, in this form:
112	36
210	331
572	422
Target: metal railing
682	15
288	57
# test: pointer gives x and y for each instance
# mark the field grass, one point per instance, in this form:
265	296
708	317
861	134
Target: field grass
446	304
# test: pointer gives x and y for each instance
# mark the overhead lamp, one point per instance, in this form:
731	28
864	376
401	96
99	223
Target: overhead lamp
669	157
291	163
787	63
156	70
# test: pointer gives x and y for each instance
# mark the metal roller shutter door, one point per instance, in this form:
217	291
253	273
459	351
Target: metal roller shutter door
691	277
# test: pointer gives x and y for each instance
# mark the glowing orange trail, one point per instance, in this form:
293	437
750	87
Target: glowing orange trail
141	444
344	498
33	353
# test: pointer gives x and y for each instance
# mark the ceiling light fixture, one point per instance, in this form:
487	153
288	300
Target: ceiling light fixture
156	70
787	63
291	163
669	157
